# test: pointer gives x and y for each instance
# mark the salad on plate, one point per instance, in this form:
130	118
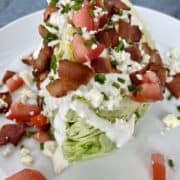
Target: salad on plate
91	80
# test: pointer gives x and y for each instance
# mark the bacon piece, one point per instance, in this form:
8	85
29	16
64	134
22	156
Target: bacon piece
60	87
174	86
117	5
129	32
48	11
43	31
108	37
43	61
11	133
102	65
27	174
8	74
6	97
160	71
134	52
76	72
42	136
29	61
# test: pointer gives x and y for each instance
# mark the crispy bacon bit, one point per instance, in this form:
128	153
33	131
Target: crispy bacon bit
76	72
42	63
160	71
174	86
48	11
42	136
43	31
108	37
6	97
134	52
11	133
118	5
29	61
129	32
27	174
102	65
8	75
146	48
60	87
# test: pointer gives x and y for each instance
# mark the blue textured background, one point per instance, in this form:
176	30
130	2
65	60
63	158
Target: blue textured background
13	9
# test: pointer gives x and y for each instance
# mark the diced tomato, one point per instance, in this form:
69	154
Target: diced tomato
22	112
82	18
84	53
40	121
42	136
151	90
27	174
158	164
14	83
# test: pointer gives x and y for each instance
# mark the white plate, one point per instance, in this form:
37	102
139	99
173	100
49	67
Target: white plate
131	162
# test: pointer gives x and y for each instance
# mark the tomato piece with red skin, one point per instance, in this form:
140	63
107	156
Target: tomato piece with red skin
14	83
40	121
84	53
42	136
150	89
83	19
27	174
22	112
158	166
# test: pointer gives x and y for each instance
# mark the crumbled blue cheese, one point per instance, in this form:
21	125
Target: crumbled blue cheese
27	95
173	64
171	121
7	151
27	78
49	148
26	157
87	35
3	104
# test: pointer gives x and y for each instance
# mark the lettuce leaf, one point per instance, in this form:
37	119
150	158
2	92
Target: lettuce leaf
84	141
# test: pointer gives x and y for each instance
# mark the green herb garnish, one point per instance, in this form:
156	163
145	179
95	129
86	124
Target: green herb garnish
120	47
178	108
41	146
116	85
51	25
66	9
121	80
137	114
29	134
120	13
54	2
171	163
77	5
53	64
21	146
50	37
106	98
91	42
91	13
169	97
93	2
79	31
114	62
100	78
134	89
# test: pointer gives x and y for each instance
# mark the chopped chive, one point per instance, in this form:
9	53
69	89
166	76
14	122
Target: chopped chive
66	9
171	163
120	13
121	80
50	37
100	78
53	64
21	146
54	2
120	47
51	78
116	85
77	5
79	31
178	117
91	13
29	134
51	25
137	114
93	2
178	108
134	89
106	98
114	63
42	146
169	97
111	23
91	42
